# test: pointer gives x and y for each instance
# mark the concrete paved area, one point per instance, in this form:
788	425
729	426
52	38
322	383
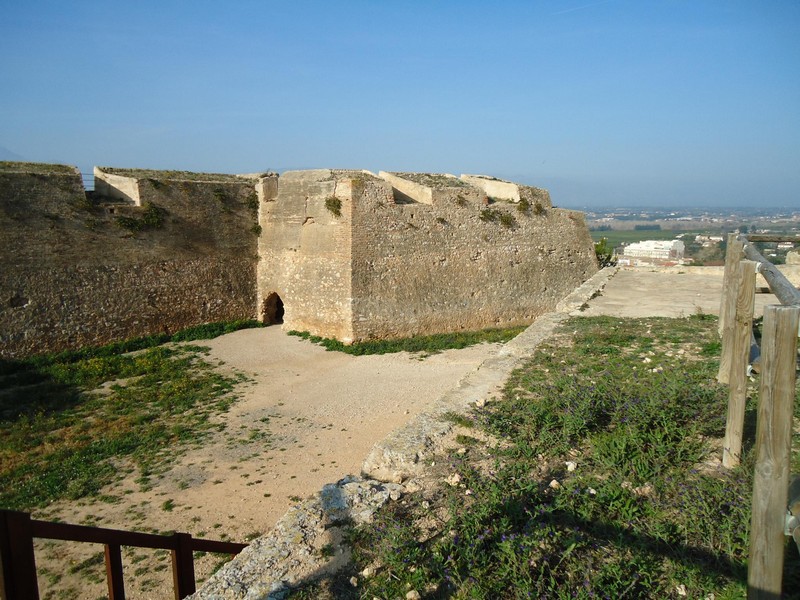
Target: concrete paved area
673	292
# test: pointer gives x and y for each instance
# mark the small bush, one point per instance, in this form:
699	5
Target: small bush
152	218
508	221
489	215
604	253
334	205
252	202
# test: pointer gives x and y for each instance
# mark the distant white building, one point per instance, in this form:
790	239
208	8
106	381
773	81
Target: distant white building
656	250
708	240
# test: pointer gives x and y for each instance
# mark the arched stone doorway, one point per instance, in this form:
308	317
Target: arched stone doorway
272	310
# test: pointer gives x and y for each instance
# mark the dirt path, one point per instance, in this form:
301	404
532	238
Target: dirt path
307	417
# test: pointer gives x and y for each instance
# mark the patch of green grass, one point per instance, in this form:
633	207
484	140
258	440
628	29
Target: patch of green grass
60	439
458	419
427	344
636	516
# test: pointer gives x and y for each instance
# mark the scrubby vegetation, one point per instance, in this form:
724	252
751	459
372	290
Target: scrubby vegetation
74	421
424	344
601	481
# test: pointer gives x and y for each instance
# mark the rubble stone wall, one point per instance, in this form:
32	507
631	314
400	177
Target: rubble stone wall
76	271
389	266
346	254
460	263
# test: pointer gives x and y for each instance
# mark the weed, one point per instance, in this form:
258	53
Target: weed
489	215
458	419
523	205
334	205
252	202
152	217
256	230
461	201
428	344
466	440
507	220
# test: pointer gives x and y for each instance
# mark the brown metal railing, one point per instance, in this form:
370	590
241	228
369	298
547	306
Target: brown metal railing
18	573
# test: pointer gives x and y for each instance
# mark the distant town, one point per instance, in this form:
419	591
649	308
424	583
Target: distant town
688	236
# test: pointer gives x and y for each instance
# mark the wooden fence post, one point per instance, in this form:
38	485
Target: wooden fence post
741	325
183	566
773	448
18	563
733	255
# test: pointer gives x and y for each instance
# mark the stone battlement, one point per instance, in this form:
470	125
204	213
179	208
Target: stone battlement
340	253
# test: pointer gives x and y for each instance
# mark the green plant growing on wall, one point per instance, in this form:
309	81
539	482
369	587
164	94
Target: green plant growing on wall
460	200
523	205
489	215
538	209
256	229
152	218
334	205
507	220
252	202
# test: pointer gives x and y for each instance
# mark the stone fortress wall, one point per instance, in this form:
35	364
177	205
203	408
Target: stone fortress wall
415	253
77	272
344	254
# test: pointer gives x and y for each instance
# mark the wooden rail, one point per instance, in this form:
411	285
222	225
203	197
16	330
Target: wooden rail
18	573
776	400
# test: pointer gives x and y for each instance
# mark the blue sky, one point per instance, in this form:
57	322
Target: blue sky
638	102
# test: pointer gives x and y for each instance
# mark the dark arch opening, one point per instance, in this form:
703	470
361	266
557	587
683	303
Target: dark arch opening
272	310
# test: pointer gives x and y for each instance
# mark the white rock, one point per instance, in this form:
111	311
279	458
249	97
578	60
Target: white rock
571	465
554	484
413	595
453	480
